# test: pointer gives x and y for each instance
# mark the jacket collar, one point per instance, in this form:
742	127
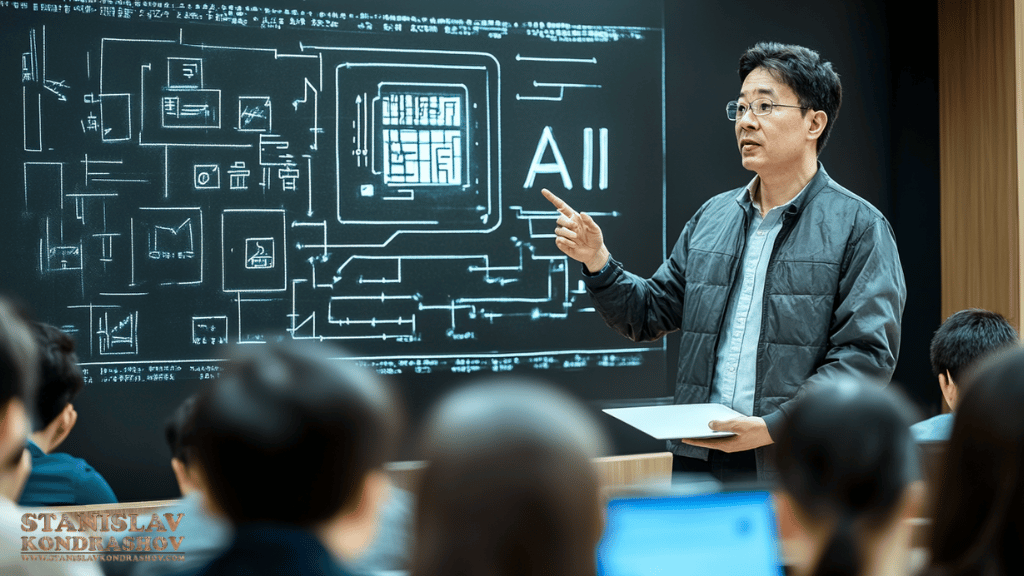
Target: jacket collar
819	181
797	204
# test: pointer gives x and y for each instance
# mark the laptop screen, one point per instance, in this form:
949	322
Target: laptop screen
708	534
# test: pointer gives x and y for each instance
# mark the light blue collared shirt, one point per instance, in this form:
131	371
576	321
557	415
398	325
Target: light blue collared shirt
736	367
935	429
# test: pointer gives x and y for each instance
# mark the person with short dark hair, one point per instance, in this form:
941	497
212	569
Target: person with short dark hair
59	479
292	442
510	487
204	536
789	280
978	505
849	471
963	339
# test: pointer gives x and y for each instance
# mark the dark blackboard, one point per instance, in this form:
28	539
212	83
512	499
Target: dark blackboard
193	175
186	176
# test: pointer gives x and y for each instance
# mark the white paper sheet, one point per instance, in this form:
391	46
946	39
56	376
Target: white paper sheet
672	422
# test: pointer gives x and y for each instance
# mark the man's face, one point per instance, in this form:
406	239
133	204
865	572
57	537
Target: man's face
776	141
15	462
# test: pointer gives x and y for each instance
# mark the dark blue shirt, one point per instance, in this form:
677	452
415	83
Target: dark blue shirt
61	480
263	548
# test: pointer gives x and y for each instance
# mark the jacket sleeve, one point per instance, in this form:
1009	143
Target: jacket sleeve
643	309
864	335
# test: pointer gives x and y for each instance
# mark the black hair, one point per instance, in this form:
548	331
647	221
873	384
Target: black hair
510	487
846	456
60	377
290	431
813	80
967	336
19	364
978	505
179	430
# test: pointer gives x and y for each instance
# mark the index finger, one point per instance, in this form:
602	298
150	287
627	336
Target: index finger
558	202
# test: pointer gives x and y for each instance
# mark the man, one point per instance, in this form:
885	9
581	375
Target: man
18	376
963	339
59	479
789	280
291	446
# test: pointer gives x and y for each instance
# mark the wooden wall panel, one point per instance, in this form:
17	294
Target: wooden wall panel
1018	6
979	132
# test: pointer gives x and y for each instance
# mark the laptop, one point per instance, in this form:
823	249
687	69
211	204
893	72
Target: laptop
722	533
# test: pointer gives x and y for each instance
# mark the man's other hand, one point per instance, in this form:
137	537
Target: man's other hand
751	432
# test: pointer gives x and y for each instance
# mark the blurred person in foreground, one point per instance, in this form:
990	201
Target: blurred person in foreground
291	444
205	536
510	487
849	473
978	519
19	368
963	339
59	479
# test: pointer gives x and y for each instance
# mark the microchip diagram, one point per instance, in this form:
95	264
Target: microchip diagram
418	139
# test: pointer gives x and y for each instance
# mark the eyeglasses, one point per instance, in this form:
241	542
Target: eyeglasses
760	107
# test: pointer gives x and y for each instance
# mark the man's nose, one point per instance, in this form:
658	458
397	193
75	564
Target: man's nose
747	119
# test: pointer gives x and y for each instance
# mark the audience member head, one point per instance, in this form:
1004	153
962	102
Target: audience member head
510	487
291	434
848	466
979	501
60	380
964	338
19	367
179	431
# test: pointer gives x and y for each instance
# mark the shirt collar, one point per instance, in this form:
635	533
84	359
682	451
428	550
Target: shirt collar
746	195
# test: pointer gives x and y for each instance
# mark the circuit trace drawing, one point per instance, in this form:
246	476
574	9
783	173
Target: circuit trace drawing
183	189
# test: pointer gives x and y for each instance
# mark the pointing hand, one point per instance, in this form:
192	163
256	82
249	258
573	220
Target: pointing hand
578	236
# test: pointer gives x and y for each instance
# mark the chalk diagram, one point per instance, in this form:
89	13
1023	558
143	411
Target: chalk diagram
217	194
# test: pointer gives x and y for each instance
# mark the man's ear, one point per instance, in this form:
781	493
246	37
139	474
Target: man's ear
950	392
351	531
197	476
12	482
816	126
62	425
183	474
376	488
789	520
14	428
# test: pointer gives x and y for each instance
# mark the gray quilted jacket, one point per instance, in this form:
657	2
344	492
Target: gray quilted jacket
834	297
